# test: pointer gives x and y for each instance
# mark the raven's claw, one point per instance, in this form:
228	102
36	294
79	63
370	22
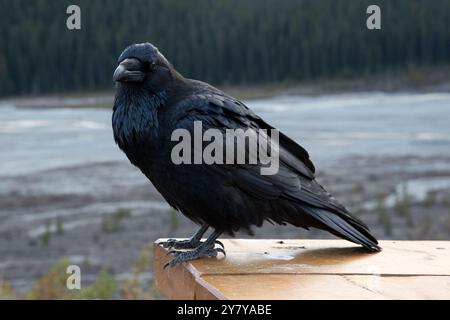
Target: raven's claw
200	252
220	244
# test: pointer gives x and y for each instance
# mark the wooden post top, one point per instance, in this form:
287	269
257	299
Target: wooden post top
310	269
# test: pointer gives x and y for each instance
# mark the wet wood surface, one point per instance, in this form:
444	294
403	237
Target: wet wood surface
310	269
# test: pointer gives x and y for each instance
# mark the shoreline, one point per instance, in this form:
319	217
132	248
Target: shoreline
417	80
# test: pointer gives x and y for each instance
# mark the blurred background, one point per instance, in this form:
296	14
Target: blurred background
371	106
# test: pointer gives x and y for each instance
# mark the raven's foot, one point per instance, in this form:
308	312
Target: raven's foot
205	249
191	243
200	252
185	244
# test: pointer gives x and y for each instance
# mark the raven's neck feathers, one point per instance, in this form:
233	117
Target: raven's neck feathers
135	116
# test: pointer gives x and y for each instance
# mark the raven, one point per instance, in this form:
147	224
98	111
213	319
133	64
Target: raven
153	100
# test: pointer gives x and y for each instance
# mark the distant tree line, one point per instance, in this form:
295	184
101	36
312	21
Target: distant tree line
220	41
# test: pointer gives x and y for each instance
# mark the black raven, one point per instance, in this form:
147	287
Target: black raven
153	100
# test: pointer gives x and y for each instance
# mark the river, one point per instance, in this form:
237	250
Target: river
329	127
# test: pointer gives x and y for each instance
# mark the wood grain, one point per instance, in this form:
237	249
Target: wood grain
311	269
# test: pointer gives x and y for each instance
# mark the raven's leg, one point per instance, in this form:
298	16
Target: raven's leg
204	250
191	243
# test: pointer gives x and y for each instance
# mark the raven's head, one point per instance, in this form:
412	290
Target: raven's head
143	65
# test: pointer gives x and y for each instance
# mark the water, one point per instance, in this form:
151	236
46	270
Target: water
332	127
329	127
32	140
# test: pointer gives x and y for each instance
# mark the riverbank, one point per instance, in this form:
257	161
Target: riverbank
418	80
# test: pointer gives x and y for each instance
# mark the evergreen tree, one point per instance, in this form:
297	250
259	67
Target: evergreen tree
220	41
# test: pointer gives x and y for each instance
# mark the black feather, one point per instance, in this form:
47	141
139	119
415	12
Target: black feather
226	197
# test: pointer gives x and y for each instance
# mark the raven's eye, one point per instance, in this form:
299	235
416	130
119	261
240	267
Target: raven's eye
152	66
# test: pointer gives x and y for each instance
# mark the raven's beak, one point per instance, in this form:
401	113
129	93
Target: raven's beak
129	70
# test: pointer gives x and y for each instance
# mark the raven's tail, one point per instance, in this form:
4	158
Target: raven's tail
344	226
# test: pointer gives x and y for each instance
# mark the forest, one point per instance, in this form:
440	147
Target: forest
228	42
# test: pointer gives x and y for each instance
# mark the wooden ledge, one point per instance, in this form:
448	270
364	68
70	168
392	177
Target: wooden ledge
310	269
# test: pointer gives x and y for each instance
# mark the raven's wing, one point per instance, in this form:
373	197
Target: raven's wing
309	203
